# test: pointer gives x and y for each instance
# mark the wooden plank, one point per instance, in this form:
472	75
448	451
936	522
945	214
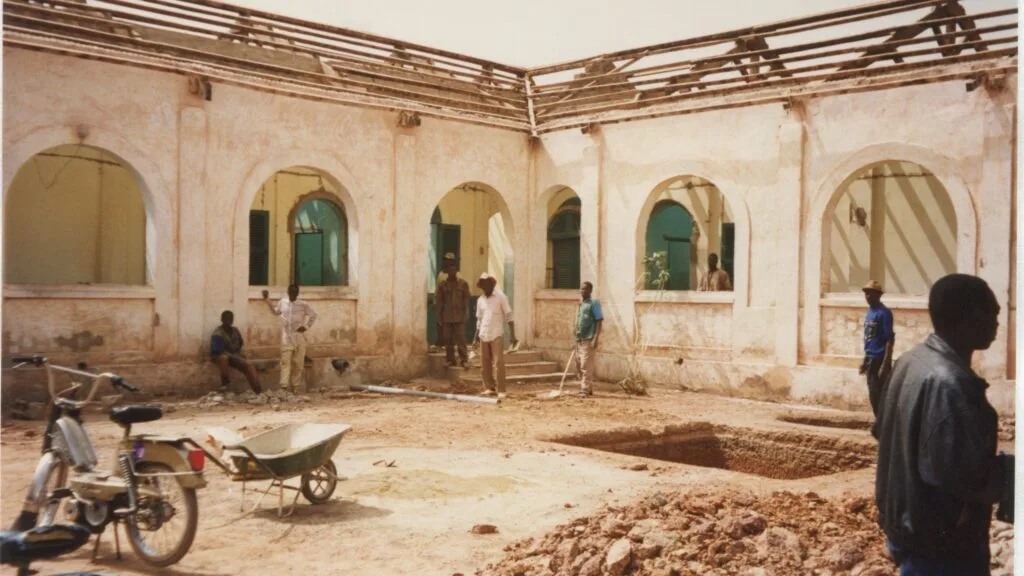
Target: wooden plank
469	89
172	48
547	89
32	42
784	82
352	33
698	83
233	27
820	20
581	122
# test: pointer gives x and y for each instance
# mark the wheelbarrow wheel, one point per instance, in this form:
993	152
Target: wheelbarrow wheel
319	485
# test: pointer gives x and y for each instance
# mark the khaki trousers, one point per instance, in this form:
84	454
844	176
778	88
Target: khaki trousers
493	353
293	363
586	358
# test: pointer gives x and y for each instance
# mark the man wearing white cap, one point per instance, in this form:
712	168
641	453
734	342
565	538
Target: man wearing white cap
878	343
492	311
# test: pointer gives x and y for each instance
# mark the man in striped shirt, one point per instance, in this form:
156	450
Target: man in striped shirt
296	317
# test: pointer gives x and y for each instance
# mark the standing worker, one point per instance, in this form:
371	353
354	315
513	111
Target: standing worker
296	317
878	343
588	329
938	473
451	301
492	311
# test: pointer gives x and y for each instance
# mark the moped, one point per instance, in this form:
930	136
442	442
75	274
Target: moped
151	487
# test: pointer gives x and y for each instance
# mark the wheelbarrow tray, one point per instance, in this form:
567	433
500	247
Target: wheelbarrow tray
287	451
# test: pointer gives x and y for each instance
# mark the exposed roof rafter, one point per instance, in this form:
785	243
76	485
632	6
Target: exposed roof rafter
871	47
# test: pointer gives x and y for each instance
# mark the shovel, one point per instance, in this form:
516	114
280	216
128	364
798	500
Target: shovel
556	393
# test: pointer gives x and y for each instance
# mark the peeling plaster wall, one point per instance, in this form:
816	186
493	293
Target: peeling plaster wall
778	335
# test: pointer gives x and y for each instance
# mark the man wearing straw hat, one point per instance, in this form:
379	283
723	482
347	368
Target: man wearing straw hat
451	301
878	343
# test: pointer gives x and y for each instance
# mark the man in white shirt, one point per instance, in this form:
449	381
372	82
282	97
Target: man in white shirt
296	317
492	311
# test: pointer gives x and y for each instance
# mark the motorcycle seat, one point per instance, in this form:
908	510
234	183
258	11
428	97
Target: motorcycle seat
127	415
41	543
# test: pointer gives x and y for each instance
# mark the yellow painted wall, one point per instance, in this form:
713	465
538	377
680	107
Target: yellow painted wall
278	195
709	210
909	240
74	221
484	242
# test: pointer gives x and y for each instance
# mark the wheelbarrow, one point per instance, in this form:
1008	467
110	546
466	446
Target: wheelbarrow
279	455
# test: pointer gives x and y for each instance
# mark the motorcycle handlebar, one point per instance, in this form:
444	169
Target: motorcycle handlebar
118	382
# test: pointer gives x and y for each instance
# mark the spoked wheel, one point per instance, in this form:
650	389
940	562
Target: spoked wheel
52	471
319	485
162	530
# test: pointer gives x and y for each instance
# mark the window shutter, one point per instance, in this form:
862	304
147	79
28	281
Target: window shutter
259	247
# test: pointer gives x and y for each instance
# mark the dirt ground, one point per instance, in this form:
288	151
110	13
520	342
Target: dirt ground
456	465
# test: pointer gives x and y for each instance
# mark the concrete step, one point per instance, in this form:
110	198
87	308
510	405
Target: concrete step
518	368
551	377
437	366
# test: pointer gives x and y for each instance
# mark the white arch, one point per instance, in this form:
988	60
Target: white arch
333	170
737	205
826	196
161	259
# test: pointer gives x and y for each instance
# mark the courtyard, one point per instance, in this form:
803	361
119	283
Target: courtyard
422	473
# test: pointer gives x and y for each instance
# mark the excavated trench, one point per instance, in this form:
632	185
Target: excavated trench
778	455
828	421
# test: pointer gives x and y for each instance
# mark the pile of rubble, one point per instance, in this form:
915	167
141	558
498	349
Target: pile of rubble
719	533
271	397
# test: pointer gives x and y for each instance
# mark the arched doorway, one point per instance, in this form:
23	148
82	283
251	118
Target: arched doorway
893	222
471	222
298	231
75	215
689	220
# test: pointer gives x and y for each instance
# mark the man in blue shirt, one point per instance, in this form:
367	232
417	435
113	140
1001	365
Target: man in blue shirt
878	342
588	330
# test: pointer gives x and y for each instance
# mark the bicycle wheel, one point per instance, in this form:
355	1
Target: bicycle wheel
162	529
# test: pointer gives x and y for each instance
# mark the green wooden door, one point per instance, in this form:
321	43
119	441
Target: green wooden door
728	248
669	231
565	256
309	259
259	247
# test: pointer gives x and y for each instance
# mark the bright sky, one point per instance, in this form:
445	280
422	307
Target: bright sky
537	32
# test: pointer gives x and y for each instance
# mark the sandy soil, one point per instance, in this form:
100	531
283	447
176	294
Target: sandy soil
456	465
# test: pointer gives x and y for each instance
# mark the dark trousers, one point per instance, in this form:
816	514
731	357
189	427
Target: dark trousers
877	376
452	335
914	565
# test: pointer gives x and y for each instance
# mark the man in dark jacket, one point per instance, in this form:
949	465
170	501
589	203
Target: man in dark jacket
938	473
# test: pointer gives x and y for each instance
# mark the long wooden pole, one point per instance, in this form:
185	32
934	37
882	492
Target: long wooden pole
422	394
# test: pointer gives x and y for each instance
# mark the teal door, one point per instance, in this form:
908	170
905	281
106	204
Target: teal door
564	235
309	259
669	231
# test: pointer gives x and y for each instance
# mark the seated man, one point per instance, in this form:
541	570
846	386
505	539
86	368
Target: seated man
226	350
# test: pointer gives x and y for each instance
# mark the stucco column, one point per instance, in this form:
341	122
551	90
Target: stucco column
409	337
192	191
995	217
787	210
590	214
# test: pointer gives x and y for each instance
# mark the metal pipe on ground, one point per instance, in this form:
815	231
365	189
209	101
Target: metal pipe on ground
440	395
